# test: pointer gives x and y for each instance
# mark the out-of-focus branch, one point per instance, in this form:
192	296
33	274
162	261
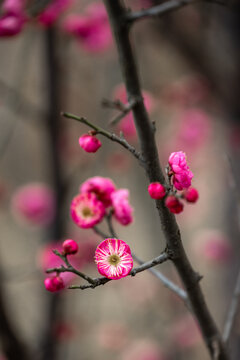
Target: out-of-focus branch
164	8
212	337
107	134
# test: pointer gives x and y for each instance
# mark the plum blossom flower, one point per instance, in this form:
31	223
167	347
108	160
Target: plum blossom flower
34	203
91	29
13	18
127	125
173	204
89	143
156	190
182	176
114	259
86	210
54	284
101	187
13	6
52	12
122	209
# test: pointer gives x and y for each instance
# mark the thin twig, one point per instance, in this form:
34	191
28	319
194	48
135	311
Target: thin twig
108	135
232	312
100	232
162	9
127	108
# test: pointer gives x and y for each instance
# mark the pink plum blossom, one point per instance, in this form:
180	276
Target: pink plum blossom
102	187
173	204
127	125
11	24
70	247
191	195
182	176
13	6
34	203
114	259
156	190
143	349
122	209
92	29
86	210
54	284
89	143
52	12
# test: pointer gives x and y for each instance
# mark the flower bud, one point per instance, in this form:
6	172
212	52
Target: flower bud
54	284
70	247
89	143
191	195
156	190
173	204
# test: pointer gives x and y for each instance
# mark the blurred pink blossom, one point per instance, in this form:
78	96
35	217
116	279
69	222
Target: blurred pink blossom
34	203
52	12
185	333
102	187
92	29
122	209
112	336
143	349
126	125
11	24
212	245
13	6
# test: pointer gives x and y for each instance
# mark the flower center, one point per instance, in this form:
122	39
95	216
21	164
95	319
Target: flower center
114	259
86	212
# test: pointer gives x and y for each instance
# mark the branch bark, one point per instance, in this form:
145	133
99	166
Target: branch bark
213	340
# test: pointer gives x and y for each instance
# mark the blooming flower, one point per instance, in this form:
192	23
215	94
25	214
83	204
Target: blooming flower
156	190
86	210
91	29
52	12
101	187
182	175
114	259
89	143
122	209
34	203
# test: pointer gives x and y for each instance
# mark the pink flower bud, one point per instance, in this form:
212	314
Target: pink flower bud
54	284
70	247
89	143
191	195
156	190
182	176
173	204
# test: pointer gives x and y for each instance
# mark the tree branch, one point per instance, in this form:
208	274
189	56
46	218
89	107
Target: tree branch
108	135
117	13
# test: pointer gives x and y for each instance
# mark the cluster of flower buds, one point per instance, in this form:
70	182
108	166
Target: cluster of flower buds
180	178
56	283
97	196
89	142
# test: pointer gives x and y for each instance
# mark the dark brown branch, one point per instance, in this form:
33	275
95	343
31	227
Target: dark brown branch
117	14
107	134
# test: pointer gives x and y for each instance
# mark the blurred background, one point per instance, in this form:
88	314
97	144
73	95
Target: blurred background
59	56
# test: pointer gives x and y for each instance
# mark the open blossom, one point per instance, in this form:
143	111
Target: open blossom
86	210
182	176
114	259
52	12
122	209
91	29
102	187
89	143
127	125
34	203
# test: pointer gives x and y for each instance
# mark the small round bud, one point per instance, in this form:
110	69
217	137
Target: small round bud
89	143
70	247
191	195
156	191
173	204
54	284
